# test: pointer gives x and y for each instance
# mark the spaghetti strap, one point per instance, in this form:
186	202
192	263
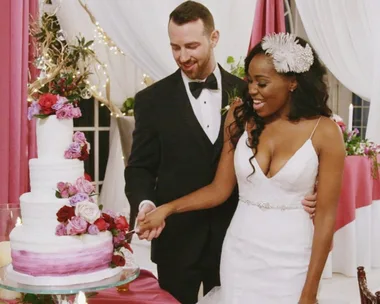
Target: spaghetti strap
316	125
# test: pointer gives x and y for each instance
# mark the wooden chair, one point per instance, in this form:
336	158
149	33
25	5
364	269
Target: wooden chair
366	296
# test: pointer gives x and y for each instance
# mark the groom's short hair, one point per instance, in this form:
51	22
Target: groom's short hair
190	11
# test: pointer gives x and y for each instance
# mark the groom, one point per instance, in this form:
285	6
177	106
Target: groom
176	147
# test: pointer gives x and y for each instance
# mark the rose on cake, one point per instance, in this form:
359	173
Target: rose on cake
79	148
89	211
81	191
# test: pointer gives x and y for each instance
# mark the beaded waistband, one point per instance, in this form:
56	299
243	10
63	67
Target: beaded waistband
266	205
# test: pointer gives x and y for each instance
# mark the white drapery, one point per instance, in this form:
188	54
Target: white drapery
345	36
139	28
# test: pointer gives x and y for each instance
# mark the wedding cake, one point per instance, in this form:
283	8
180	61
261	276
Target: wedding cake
41	253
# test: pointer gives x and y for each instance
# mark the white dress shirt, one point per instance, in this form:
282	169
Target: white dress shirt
206	109
207	106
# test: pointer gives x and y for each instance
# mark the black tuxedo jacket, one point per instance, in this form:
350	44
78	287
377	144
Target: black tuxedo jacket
172	156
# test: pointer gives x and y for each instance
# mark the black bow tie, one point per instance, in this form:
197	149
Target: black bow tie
197	87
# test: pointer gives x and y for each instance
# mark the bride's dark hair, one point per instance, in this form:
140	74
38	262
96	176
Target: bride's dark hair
307	101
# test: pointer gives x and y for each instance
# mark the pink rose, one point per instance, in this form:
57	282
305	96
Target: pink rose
61	186
76	225
64	193
79	137
72	190
76	112
60	230
65	112
84	186
71	155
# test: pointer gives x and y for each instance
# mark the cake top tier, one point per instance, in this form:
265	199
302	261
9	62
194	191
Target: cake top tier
54	137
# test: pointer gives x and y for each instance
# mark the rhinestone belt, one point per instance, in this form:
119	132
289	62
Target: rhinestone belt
266	205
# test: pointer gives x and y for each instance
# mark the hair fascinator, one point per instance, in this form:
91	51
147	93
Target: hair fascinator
288	55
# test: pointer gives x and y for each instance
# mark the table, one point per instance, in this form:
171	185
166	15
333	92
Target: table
143	290
357	236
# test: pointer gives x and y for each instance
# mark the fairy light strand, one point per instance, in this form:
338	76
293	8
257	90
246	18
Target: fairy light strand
100	34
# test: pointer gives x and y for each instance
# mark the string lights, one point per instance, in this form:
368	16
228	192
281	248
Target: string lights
100	34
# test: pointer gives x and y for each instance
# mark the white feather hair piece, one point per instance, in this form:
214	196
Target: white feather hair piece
288	55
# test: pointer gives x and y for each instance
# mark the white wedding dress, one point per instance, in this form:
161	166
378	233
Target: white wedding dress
266	251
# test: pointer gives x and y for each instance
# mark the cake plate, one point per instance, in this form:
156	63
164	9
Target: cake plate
61	293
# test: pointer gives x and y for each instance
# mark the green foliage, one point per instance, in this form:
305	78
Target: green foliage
128	106
236	68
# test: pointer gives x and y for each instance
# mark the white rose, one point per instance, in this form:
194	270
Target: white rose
88	211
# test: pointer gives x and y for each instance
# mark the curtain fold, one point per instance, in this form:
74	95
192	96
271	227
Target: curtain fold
345	36
269	18
17	139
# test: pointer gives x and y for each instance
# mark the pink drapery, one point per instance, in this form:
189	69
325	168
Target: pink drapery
17	134
269	18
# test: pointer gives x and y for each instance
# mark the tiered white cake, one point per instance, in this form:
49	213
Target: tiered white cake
39	256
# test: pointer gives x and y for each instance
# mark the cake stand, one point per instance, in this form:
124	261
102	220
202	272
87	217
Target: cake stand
61	293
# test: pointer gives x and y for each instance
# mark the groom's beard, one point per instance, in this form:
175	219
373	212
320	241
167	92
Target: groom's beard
201	69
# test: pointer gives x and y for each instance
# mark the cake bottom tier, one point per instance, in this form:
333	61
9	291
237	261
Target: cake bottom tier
46	259
74	279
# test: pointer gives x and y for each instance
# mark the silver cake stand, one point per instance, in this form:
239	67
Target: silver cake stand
61	294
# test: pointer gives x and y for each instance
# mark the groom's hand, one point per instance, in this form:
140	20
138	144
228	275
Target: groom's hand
309	204
148	234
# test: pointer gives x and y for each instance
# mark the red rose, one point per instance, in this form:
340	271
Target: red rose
121	223
118	260
87	177
46	101
101	224
109	220
65	213
128	246
84	153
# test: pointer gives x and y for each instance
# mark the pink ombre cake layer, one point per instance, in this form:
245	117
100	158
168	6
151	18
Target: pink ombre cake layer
61	280
42	258
62	263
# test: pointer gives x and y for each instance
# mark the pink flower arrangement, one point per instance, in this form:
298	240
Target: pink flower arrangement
87	218
81	191
50	104
79	148
355	145
84	216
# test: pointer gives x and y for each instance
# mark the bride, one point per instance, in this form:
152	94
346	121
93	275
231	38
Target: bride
278	142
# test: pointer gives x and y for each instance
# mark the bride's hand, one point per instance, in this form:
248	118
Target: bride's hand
154	219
